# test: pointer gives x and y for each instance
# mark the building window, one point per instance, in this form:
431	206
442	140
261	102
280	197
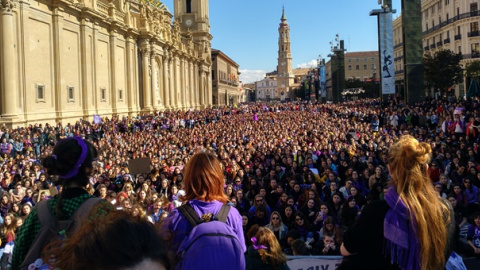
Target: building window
473	8
373	66
447	2
71	93
364	59
189	6
357	67
40	89
373	59
475	50
460	49
474	27
103	94
365	67
120	94
357	60
349	60
349	67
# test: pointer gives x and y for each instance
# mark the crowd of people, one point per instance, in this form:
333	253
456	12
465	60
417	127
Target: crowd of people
304	170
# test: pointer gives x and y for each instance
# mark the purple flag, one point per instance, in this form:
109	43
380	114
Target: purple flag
97	119
255	117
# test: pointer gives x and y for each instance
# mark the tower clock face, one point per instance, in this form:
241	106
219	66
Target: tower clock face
188	22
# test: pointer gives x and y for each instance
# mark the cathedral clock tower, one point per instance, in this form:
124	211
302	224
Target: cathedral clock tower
193	16
284	68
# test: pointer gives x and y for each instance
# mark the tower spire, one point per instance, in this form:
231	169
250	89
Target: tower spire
284	18
284	68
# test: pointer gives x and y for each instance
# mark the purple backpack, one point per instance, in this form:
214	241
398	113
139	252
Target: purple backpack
211	244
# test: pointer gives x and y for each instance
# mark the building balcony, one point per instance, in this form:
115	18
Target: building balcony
232	83
426	48
451	20
439	44
471	55
398	45
474	34
458	37
432	46
446	41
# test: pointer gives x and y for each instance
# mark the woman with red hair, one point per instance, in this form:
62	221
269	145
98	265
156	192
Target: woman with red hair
204	194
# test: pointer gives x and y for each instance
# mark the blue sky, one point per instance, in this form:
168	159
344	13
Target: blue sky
247	30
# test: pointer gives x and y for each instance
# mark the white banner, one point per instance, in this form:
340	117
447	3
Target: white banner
315	263
386	53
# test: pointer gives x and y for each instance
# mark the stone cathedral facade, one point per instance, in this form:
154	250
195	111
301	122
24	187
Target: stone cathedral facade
61	60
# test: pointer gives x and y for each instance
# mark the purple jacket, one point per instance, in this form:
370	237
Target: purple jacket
180	226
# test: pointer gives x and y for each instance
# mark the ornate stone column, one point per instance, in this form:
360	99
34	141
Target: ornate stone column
113	76
147	100
171	78
196	85
201	90
166	86
153	94
160	82
181	83
190	84
57	29
8	76
177	86
130	72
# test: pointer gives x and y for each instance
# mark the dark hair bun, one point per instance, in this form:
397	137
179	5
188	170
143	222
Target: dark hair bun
50	164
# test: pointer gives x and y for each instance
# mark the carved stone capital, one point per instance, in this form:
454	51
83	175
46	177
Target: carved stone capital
145	51
7	5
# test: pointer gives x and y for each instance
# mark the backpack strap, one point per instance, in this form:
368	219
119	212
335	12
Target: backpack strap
47	220
45	216
223	213
84	209
50	227
192	216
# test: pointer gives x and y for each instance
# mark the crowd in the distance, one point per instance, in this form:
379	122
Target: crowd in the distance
303	170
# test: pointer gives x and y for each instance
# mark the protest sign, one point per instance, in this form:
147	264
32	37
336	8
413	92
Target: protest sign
140	165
